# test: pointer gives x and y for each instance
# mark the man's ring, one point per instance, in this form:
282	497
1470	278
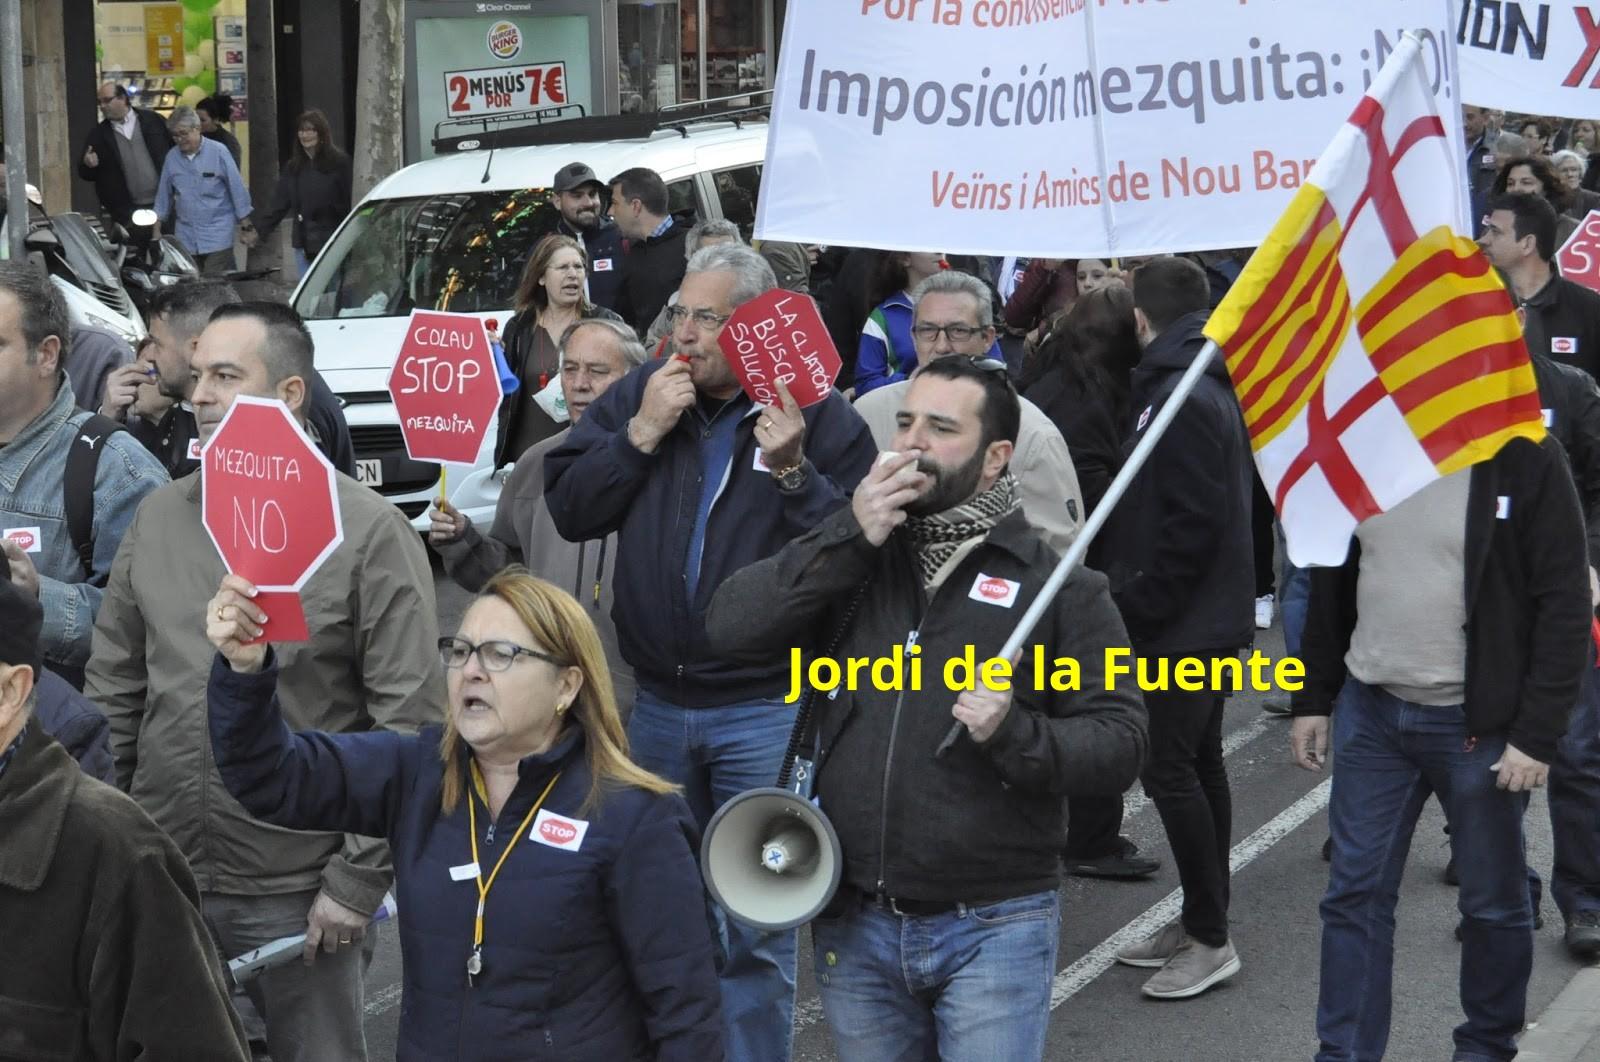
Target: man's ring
219	612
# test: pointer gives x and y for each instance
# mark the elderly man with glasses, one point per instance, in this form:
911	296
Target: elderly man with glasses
941	939
201	188
698	481
953	315
123	155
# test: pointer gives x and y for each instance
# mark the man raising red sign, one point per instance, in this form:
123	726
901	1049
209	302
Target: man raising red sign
369	661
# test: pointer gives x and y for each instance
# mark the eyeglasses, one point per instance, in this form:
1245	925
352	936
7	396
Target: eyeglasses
704	320
994	367
957	333
494	656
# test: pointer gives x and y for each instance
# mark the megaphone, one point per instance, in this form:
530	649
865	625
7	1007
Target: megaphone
771	859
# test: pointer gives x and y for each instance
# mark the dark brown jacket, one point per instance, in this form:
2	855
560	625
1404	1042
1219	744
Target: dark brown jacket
100	917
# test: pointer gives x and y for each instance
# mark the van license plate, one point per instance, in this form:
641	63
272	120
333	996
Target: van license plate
370	472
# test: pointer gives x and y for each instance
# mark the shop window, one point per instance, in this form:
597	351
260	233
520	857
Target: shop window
647	42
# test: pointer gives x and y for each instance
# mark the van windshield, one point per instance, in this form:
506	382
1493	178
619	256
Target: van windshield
461	252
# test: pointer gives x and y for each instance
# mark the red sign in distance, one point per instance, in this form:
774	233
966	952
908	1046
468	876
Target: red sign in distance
271	506
1579	257
780	336
445	387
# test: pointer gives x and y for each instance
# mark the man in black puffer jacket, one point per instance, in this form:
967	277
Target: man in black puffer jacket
1179	556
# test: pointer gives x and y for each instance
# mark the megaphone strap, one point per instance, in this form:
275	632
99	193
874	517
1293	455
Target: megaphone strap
802	735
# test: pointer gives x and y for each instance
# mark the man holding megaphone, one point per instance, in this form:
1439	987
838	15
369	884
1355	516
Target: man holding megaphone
941	938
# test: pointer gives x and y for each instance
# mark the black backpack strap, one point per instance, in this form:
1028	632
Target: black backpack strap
83	462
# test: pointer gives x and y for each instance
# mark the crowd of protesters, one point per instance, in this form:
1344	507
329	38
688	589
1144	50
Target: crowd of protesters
532	786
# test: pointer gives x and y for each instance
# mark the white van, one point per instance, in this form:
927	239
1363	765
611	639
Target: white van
453	233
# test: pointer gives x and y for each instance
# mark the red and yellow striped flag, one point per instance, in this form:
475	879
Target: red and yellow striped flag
1372	348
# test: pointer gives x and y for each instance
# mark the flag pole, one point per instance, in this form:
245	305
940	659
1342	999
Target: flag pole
1097	519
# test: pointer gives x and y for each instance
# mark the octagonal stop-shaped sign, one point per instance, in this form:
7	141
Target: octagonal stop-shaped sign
1579	257
271	506
445	387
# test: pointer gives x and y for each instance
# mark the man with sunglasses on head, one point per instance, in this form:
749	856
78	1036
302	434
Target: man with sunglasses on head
697	482
952	314
370	661
123	155
941	939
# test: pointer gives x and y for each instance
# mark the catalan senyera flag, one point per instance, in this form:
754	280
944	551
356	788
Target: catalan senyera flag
1372	347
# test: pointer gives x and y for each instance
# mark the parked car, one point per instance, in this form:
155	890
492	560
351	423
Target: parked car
453	233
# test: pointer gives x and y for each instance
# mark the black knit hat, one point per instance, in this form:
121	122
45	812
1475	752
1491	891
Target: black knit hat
20	621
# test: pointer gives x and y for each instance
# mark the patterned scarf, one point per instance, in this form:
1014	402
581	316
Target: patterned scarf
939	538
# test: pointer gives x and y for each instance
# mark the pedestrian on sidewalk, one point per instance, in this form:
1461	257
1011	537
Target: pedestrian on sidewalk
201	198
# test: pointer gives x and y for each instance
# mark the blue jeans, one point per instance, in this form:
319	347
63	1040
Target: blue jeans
716	754
1575	805
1294	597
1388	755
972	985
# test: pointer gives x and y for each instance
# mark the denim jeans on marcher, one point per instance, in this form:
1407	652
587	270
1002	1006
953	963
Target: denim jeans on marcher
972	985
1294	598
716	754
1388	755
1575	805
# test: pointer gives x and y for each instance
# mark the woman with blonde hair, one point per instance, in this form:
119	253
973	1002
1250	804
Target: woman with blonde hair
550	902
550	298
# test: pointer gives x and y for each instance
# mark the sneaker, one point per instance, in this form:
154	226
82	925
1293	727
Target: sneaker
1327	850
1450	877
1264	612
1124	864
1583	935
1192	969
1277	707
1156	950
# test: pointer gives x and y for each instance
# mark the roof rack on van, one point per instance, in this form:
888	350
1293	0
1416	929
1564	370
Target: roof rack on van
549	125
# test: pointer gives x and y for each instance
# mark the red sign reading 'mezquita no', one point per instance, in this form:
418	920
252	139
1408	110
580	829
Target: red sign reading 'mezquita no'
445	387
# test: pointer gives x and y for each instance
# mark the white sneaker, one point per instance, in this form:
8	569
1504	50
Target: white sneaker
1263	612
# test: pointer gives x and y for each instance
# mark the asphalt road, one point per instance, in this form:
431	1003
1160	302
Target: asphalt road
1267	1013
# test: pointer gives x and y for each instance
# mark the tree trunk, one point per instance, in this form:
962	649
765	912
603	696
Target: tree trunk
380	74
261	85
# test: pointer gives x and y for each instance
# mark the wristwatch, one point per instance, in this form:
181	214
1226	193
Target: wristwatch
791	479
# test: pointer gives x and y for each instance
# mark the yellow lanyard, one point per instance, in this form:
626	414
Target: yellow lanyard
475	961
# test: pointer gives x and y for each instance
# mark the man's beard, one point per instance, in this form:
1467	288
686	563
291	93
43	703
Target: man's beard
584	219
951	487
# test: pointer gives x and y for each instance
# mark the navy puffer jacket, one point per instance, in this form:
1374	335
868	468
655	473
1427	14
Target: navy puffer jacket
596	943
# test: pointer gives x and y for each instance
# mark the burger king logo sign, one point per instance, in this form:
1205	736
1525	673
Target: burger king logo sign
505	40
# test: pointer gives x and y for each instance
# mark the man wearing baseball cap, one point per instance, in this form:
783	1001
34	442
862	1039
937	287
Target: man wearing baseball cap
96	896
579	213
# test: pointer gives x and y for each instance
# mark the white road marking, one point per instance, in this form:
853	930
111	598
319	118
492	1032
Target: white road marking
1074	978
385	1000
1135	801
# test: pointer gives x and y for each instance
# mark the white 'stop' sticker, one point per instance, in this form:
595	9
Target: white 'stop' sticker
993	590
28	539
558	831
194	449
760	464
1563	344
602	265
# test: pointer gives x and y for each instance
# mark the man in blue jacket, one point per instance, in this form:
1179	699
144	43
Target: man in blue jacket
699	482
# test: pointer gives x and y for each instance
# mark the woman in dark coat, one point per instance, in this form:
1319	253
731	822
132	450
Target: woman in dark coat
1080	379
314	190
215	112
551	298
550	902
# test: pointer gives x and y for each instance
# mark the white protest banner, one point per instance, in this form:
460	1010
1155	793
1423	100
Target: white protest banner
1069	128
1540	58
